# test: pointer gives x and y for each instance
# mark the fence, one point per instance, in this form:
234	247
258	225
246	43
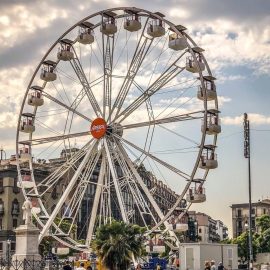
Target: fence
28	264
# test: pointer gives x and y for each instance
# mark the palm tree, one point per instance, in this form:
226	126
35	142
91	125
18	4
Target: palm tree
117	243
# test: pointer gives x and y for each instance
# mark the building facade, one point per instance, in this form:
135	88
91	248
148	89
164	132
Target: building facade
240	215
209	229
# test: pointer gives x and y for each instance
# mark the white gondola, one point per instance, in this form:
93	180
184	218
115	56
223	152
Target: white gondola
47	72
35	96
208	158
65	52
177	42
195	65
60	250
210	89
25	153
132	23
108	25
196	194
86	35
26	180
213	126
156	27
27	123
178	227
35	206
155	246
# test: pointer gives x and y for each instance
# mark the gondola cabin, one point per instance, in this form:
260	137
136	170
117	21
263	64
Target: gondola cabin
195	63
65	52
35	97
27	123
86	35
208	89
132	22
156	27
47	72
108	24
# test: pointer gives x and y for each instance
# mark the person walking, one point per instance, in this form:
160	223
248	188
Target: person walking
213	265
207	265
81	267
221	266
67	266
138	267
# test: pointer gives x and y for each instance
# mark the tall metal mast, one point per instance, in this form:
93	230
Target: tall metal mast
247	155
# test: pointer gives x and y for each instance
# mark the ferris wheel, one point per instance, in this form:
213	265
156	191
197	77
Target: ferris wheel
122	107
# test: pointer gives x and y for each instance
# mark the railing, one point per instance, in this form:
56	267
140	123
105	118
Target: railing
34	264
29	264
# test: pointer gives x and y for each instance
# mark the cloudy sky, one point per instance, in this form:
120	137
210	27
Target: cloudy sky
236	39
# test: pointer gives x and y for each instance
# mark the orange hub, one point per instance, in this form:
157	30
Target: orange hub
98	128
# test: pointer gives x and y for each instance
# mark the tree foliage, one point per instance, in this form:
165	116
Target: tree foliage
117	243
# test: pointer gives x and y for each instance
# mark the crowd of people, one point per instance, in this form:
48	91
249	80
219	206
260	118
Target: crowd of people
211	265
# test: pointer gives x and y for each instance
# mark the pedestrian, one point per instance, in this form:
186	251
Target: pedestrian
89	267
221	266
138	267
213	265
67	266
207	265
81	266
158	267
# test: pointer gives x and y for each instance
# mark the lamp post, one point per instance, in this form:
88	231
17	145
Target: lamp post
8	253
247	155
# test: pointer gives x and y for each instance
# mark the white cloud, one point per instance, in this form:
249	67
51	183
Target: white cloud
254	118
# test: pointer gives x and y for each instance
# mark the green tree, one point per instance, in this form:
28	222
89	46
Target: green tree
243	243
117	243
263	222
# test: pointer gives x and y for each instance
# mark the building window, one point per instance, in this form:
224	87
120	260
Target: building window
13	246
1	207
1	224
16	190
1	246
253	223
264	211
253	211
15	223
240	224
239	212
15	208
200	230
1	185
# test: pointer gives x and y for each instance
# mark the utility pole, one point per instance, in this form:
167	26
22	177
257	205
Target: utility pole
247	155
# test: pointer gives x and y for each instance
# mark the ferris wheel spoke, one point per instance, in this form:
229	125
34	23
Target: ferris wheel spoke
173	119
108	52
115	180
71	163
69	108
99	188
44	140
78	69
129	181
163	163
141	183
171	72
73	206
67	191
139	55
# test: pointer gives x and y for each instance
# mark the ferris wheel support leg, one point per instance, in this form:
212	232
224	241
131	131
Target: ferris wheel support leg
96	201
145	189
115	181
66	193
